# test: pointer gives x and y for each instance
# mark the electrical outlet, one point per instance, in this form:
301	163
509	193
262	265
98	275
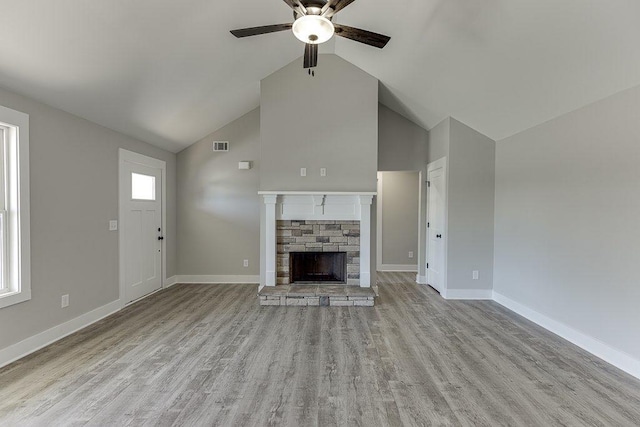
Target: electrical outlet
323	171
64	301
303	171
113	225
410	254
475	274
246	263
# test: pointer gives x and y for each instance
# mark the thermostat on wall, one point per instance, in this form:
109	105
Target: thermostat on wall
245	165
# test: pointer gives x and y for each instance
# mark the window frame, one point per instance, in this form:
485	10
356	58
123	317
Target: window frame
17	239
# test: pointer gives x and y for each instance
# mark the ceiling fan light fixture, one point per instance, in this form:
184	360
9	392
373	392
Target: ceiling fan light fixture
313	29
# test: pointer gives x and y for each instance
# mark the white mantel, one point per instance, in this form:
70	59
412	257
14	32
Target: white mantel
316	206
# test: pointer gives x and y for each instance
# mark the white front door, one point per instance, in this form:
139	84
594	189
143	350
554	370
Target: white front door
141	229
436	204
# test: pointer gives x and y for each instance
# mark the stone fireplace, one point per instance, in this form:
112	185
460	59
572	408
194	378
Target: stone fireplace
308	241
301	226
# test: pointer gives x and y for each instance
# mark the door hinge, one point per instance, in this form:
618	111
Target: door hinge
427	265
428	183
428	224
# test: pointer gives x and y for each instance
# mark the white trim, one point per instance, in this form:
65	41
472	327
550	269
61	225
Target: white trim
170	281
421	280
467	294
413	268
132	157
20	250
440	163
617	358
268	254
43	339
365	239
317	193
218	279
379	223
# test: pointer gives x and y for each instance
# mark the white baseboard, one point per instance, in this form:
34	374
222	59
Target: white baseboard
594	346
468	294
421	280
43	339
398	268
208	279
170	281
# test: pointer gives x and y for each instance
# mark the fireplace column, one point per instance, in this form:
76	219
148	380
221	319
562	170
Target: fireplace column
365	241
270	239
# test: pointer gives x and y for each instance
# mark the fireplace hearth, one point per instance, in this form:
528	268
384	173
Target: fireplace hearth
318	267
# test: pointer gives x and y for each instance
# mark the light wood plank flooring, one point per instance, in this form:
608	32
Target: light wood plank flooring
201	355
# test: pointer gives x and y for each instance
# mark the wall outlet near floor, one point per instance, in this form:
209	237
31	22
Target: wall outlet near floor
113	225
475	274
323	171
410	254
245	263
303	171
64	302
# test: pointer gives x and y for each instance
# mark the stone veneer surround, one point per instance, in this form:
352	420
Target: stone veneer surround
318	236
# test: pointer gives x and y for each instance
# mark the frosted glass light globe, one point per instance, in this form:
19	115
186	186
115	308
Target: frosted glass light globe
313	29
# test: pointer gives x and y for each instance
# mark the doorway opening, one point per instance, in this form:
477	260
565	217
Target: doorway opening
398	221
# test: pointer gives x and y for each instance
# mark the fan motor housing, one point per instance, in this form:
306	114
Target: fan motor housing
310	5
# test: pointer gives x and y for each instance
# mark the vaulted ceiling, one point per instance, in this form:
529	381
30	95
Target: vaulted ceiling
168	71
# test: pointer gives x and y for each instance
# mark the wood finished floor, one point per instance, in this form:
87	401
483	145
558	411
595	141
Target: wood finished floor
202	355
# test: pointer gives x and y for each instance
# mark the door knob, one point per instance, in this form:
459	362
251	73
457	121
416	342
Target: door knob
439	236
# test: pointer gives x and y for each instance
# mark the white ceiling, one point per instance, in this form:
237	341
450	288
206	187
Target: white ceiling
168	71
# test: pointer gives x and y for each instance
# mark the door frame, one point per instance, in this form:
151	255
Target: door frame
440	163
141	159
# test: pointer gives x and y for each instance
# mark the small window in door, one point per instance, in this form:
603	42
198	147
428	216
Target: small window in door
143	187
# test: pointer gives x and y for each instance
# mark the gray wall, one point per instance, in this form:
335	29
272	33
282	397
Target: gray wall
470	198
218	204
399	208
439	137
567	236
330	120
402	145
471	191
74	194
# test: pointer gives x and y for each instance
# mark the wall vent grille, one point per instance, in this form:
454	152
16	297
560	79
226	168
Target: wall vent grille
220	145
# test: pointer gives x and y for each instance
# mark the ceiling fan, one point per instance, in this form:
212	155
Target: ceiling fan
313	25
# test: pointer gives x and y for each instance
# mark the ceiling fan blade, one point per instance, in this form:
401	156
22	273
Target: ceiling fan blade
255	31
310	55
362	36
334	6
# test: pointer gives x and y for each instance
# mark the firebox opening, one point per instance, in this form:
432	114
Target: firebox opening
318	267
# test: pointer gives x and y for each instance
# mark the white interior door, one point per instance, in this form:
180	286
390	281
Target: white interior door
436	208
141	229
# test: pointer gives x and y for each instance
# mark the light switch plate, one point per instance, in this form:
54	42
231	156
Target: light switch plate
113	225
